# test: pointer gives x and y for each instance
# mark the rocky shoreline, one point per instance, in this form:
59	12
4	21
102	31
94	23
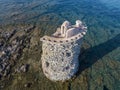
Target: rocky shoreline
12	44
21	63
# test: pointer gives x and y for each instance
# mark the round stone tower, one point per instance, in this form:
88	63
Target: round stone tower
61	50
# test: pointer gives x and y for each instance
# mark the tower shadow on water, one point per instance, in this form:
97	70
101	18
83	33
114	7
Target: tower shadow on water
93	54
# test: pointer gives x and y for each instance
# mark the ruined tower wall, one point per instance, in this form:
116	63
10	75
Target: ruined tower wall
61	51
60	61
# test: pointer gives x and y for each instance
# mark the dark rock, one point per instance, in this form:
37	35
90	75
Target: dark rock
28	85
105	88
1	68
29	29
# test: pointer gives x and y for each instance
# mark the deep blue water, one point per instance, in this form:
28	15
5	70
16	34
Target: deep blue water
102	17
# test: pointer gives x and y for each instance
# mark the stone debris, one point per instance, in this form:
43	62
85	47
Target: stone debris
61	51
23	68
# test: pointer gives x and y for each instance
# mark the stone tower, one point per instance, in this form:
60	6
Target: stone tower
61	51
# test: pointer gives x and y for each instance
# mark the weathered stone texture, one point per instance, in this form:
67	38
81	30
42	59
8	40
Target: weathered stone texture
61	51
60	61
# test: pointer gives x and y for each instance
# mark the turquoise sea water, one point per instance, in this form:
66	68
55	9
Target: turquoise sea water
101	46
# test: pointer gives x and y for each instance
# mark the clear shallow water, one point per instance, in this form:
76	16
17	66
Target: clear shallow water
100	57
112	3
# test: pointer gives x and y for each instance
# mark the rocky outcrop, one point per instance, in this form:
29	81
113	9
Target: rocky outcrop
12	44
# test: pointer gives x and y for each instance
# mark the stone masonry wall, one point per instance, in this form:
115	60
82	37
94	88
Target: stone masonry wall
60	61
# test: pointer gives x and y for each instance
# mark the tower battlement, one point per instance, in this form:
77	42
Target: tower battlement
66	33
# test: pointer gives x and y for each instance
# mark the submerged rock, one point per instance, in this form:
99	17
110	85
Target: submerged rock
12	43
27	85
23	68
